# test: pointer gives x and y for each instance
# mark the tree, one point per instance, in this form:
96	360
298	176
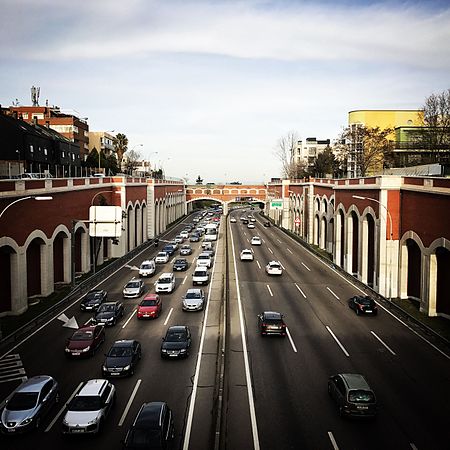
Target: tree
364	149
325	163
285	151
132	161
120	143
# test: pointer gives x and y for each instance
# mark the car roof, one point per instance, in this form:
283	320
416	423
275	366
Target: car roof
355	381
150	414
272	315
274	263
110	303
33	384
177	328
166	275
93	387
151	297
147	261
193	290
123	343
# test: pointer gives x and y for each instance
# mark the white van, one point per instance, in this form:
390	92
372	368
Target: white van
211	232
165	283
147	268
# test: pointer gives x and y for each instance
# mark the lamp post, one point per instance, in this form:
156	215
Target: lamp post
34	197
390	246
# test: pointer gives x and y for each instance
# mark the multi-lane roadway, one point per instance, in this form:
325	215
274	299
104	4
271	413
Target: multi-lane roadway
275	391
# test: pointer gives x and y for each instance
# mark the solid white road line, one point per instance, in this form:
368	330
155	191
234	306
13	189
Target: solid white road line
63	407
384	343
413	446
332	292
298	287
306	267
270	290
259	265
168	316
193	398
337	340
290	251
184	281
291	341
245	355
279	241
130	401
333	441
129	318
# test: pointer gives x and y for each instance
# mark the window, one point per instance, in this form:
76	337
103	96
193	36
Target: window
31	149
45	151
37	116
63	154
105	394
25	115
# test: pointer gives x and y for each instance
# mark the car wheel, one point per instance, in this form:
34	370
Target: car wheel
357	312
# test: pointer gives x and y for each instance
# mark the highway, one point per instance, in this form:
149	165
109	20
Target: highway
275	393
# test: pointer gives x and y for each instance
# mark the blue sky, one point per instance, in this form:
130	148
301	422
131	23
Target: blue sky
212	85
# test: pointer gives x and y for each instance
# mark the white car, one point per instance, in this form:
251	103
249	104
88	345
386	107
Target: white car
179	239
250	225
147	269
184	234
87	411
204	259
246	255
274	268
252	219
193	300
165	283
200	276
162	258
256	240
233	220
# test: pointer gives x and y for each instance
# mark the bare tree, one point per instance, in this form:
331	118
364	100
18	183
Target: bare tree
364	149
132	161
285	151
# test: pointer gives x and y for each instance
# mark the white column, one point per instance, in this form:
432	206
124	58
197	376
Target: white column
47	270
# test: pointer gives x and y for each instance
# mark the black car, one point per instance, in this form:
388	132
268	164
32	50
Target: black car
108	313
194	237
267	224
271	322
180	264
122	358
177	342
363	305
93	299
170	249
152	428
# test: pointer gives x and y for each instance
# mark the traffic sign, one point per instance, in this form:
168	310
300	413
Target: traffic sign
297	221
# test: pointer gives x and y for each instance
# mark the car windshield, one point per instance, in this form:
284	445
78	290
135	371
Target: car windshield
120	352
149	303
200	273
164	280
106	308
21	401
180	261
360	396
144	438
85	403
93	296
133	285
364	300
82	335
162	254
203	257
146	266
274	266
193	295
176	336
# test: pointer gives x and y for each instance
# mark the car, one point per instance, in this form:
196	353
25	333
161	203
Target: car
185	250
267	224
252	219
28	404
134	288
162	258
184	234
108	313
245	221
176	342
247	255
233	220
200	276
274	268
147	268
251	226
204	260
150	307
352	395
200	230
165	283
85	341
207	245
174	243
195	237
256	240
122	358
363	305
93	299
179	239
193	300
169	249
87	411
180	264
271	322
153	426
209	252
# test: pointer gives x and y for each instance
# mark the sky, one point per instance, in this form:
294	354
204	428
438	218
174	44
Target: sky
207	88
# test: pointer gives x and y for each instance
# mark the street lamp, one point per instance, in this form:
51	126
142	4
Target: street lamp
34	197
360	197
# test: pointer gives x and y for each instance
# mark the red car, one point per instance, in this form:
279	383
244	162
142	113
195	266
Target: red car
150	307
85	341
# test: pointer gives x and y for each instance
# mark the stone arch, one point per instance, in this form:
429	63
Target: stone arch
81	246
137	225
35	250
61	255
324	204
330	236
352	235
130	227
144	222
411	251
340	240
368	240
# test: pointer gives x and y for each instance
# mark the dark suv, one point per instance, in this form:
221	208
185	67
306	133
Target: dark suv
271	322
122	358
177	342
363	305
352	394
153	426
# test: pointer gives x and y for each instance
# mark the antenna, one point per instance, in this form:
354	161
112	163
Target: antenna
35	91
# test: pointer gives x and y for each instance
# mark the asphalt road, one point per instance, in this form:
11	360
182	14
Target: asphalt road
275	393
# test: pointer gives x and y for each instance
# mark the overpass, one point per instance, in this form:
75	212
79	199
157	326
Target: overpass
226	193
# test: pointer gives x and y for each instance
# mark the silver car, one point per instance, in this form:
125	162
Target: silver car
134	288
28	403
193	300
87	411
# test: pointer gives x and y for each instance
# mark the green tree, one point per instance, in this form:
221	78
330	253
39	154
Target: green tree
325	163
120	143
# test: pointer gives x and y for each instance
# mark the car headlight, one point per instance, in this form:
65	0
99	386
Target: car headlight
127	367
95	420
67	350
183	350
26	421
164	350
110	319
86	349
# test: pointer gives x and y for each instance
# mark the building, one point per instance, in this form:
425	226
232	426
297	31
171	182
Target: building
103	142
70	126
307	152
